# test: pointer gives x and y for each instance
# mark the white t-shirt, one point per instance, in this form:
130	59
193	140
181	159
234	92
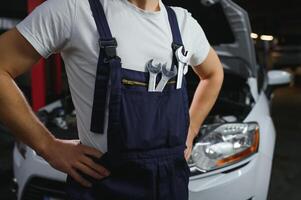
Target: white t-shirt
67	26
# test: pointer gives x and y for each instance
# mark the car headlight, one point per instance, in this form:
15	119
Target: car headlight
225	144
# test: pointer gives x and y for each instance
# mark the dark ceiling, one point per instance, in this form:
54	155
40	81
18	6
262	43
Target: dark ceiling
279	18
13	8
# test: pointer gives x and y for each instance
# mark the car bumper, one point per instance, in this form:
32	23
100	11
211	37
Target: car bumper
248	181
28	170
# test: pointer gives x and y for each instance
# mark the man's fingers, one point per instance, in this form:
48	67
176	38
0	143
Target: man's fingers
98	168
187	153
91	151
78	178
88	171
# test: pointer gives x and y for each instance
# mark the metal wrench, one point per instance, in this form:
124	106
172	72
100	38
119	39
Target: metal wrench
183	59
153	70
166	76
185	69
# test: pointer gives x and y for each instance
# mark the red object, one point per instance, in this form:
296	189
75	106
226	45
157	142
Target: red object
38	92
38	79
31	4
58	80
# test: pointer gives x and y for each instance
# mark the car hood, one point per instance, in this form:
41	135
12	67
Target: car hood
228	30
242	47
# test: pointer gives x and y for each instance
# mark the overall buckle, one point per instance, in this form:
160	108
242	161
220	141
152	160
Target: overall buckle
175	46
109	46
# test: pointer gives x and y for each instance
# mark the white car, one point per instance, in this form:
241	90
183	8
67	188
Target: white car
233	155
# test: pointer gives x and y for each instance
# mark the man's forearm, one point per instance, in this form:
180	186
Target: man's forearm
204	99
18	116
17	56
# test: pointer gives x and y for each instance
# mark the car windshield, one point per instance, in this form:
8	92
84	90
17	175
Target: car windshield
212	19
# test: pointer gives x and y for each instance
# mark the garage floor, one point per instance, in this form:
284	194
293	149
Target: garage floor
286	174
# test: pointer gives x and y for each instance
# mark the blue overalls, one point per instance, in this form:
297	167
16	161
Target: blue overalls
146	132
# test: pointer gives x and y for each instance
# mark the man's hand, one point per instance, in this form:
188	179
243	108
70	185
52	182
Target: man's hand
189	143
71	157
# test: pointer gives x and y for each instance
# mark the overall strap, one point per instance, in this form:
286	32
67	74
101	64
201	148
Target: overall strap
177	42
100	19
176	34
107	68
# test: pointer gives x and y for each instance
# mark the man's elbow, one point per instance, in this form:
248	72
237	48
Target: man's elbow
6	73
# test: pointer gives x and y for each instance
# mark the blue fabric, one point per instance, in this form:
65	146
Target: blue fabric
100	19
161	174
103	70
146	132
151	119
176	34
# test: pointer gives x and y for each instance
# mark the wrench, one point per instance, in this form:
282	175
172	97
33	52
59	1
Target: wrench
183	59
185	70
153	72
166	76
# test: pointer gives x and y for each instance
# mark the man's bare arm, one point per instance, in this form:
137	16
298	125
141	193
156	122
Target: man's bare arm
211	75
16	57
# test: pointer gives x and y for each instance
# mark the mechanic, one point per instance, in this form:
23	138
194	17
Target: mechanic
136	131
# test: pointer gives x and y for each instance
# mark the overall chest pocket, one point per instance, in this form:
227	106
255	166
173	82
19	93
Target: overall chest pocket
152	119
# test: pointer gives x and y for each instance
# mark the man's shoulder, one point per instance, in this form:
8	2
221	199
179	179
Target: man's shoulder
178	9
64	1
182	14
62	4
